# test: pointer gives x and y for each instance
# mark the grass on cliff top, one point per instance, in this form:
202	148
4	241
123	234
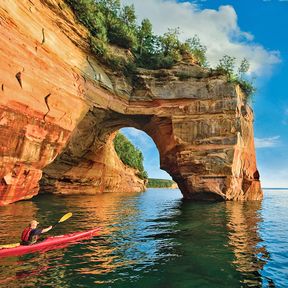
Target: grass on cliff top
111	24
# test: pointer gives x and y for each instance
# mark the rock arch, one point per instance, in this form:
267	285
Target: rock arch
54	94
202	171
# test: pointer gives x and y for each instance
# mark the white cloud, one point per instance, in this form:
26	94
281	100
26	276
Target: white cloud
217	29
132	132
139	138
273	177
267	142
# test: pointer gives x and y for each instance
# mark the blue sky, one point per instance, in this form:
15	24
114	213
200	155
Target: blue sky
254	29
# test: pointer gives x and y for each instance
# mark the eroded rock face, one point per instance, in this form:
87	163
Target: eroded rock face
59	110
89	163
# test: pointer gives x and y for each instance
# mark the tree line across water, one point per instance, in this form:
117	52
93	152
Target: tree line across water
159	183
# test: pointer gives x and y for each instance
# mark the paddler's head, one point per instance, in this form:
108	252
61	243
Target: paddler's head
33	224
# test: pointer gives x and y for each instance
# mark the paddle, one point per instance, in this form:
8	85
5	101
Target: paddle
9	245
62	219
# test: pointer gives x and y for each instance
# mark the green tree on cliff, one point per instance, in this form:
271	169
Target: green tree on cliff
243	68
109	23
109	6
196	48
91	16
128	16
129	154
145	37
120	23
157	51
246	85
227	64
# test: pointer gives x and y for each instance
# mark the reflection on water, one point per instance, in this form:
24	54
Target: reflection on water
250	254
14	218
150	239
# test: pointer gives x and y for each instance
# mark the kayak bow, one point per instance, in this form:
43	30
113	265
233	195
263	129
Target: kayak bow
47	244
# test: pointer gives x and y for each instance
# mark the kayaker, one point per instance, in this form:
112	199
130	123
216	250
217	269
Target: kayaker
31	234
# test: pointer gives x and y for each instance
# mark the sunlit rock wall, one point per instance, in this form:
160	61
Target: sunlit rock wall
59	110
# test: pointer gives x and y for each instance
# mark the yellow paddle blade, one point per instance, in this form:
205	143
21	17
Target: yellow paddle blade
9	245
65	217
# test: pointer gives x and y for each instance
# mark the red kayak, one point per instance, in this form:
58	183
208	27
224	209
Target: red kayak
48	244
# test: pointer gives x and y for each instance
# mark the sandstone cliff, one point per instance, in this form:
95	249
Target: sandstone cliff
59	110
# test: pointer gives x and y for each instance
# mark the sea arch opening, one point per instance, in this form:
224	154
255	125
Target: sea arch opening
89	163
147	146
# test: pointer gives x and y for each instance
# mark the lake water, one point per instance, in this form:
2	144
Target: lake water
152	239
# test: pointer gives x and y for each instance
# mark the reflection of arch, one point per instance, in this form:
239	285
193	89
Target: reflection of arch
243	232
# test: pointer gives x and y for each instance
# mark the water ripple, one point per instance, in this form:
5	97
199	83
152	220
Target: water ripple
153	239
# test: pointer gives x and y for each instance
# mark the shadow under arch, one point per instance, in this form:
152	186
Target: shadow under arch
85	164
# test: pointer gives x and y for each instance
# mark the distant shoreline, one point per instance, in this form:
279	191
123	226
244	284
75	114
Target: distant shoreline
161	183
165	183
275	188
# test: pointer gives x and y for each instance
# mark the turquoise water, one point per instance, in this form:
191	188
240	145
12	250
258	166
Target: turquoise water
152	239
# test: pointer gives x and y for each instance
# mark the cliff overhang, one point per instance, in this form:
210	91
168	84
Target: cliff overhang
59	110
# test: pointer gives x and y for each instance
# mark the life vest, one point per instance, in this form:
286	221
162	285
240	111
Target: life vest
25	234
